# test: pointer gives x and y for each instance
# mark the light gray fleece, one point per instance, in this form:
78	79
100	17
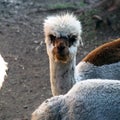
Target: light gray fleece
88	100
85	70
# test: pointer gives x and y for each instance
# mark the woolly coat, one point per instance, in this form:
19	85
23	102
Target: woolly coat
87	100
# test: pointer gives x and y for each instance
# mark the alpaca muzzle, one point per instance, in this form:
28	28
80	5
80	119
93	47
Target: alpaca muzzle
61	51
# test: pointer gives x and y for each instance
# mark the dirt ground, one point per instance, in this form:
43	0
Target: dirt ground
22	45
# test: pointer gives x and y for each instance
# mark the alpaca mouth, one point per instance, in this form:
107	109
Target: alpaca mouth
63	59
61	56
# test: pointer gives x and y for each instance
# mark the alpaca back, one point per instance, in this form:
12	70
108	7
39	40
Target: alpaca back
88	100
89	71
94	100
103	62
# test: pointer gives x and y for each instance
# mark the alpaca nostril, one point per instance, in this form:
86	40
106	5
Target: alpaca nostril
60	48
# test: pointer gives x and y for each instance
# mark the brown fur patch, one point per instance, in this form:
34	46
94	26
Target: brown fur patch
105	54
61	51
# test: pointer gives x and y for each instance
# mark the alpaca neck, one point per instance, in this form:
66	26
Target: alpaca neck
62	76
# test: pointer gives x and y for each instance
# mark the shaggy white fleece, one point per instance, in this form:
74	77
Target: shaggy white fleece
65	24
3	68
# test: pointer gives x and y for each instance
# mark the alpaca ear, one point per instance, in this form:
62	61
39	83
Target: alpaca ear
81	42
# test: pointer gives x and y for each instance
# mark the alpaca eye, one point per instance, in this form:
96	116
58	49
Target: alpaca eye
72	39
52	38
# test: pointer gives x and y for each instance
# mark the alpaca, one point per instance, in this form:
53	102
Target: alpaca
3	68
62	38
88	100
103	62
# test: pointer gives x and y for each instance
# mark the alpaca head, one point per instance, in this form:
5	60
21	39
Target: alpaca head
62	37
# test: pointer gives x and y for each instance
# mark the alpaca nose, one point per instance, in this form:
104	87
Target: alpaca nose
61	47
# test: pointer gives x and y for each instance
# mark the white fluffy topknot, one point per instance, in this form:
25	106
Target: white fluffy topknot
65	24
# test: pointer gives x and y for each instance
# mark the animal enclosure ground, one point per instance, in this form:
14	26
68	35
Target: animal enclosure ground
22	45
